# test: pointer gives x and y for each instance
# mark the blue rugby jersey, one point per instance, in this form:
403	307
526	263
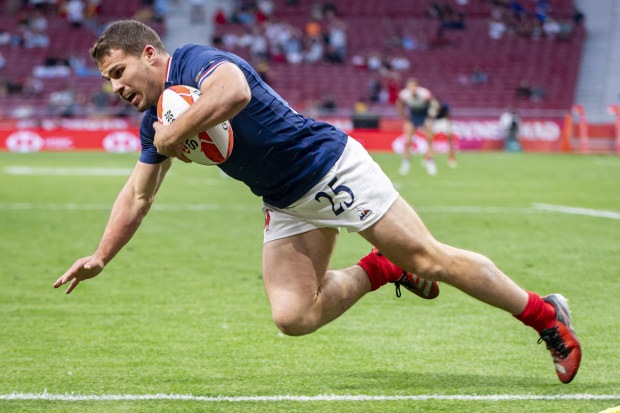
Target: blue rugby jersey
277	152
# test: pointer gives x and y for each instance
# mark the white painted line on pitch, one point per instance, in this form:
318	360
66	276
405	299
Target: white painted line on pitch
474	210
577	211
319	398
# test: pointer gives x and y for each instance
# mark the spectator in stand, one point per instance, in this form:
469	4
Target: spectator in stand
497	28
524	91
395	41
313	29
328	102
294	47
359	61
63	102
102	99
537	93
374	61
336	38
410	42
244	14
479	76
262	68
537	29
2	61
265	7
258	46
92	9
313	50
437	9
566	29
5	37
219	17
551	28
38	22
374	89
360	106
400	62
23	110
33	86
75	13
453	20
197	11
542	10
316	11
33	38
13	87
392	82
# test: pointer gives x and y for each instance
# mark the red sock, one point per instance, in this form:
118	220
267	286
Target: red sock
537	314
380	270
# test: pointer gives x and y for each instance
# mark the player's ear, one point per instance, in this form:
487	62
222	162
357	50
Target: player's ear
149	53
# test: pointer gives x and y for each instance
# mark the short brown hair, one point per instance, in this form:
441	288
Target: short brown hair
130	36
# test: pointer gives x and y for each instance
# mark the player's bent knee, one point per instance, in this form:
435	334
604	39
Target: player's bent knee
293	324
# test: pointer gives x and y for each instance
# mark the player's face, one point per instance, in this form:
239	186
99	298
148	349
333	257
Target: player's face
412	85
134	79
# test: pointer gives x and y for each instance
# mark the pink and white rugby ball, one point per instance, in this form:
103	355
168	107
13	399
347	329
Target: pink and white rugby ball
210	147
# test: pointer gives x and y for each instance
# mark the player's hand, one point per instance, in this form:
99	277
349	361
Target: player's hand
82	269
165	145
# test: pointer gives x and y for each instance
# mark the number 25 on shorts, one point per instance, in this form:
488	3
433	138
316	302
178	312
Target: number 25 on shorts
340	188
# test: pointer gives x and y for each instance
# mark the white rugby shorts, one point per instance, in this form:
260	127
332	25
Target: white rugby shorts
354	194
442	125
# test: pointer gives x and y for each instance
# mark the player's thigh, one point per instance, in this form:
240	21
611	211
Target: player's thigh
294	267
409	129
402	237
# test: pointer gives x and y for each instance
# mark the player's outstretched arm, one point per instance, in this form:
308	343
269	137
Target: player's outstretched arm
131	206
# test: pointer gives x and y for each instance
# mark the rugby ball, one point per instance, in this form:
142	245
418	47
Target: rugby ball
210	147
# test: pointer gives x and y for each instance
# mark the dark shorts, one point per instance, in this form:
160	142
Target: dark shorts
417	118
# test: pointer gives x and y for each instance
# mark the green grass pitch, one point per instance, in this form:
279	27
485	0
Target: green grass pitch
182	309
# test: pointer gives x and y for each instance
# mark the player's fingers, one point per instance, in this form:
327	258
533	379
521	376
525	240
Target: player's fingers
70	273
73	284
59	282
183	158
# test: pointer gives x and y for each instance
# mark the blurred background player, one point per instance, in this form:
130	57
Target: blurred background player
438	122
412	104
510	124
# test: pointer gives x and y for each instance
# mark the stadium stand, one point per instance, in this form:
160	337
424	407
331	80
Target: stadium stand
57	70
443	62
408	30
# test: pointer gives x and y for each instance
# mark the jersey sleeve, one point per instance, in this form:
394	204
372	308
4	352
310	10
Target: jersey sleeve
403	95
425	93
202	65
149	153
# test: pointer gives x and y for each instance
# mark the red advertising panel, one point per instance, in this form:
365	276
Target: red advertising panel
35	140
479	135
